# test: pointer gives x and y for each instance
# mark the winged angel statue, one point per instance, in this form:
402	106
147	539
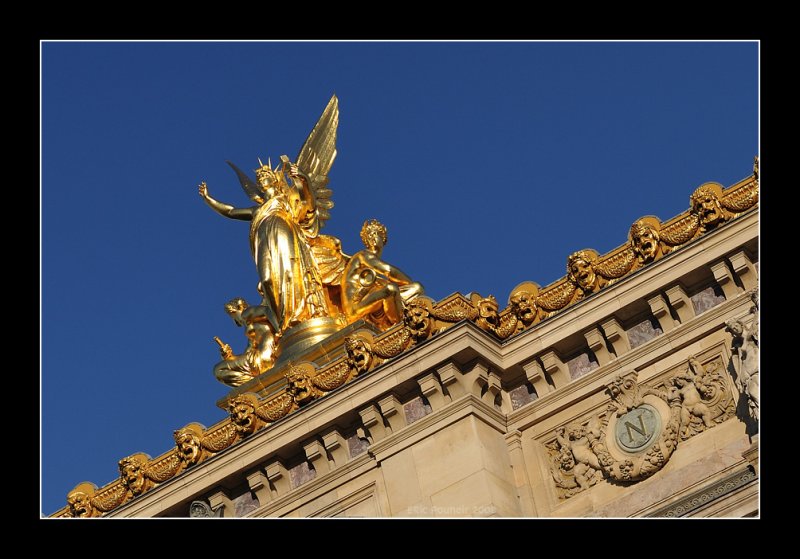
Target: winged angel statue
300	271
292	258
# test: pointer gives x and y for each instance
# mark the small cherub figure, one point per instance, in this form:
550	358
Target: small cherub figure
689	385
575	442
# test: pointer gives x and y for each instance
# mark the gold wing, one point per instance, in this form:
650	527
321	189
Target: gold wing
330	259
316	157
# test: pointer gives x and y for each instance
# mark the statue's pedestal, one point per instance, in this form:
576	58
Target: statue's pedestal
315	341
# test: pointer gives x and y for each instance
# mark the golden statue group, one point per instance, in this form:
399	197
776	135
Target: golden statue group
309	288
324	318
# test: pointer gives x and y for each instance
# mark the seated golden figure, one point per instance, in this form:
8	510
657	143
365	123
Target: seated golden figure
235	370
371	288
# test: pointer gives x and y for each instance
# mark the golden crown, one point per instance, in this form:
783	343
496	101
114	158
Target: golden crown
266	175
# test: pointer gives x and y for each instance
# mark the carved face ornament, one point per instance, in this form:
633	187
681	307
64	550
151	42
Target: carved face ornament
575	432
242	415
581	272
79	504
645	241
524	305
188	446
707	207
132	475
487	310
416	317
735	327
358	352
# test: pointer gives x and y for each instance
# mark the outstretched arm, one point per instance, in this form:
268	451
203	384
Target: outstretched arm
245	214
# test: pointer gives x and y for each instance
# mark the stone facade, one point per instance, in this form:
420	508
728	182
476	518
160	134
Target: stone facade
469	425
629	387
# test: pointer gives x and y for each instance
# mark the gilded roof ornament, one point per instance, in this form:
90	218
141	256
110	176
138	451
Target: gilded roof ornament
310	290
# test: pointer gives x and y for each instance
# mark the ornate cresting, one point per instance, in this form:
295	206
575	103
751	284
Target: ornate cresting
584	452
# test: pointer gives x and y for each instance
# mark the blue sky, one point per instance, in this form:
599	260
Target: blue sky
488	162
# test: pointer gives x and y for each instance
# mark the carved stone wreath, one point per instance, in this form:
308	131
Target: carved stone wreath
641	427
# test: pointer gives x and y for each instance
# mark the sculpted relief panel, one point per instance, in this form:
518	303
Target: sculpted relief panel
641	427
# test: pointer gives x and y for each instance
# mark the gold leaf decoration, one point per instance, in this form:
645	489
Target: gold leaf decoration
556	297
276	407
109	497
392	344
616	265
680	231
332	377
220	438
742	198
163	469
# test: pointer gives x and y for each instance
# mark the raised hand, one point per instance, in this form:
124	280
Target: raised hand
203	189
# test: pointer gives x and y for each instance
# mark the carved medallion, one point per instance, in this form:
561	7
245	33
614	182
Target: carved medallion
640	429
637	429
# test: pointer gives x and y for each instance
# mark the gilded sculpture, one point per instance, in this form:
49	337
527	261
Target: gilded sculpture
417	318
309	288
242	411
291	204
359	354
284	198
645	239
132	473
372	288
588	273
188	443
580	270
258	357
79	501
300	386
706	205
522	302
488	312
